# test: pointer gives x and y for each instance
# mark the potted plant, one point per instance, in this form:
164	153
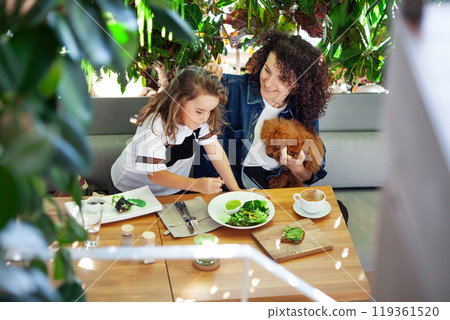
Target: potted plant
353	35
45	111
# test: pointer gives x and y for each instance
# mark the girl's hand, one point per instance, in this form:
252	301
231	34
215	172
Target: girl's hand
209	185
215	68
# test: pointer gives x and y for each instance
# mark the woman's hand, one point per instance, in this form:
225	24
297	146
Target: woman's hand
288	161
295	165
215	68
208	185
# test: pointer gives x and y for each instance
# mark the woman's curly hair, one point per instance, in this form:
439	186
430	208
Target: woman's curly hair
302	66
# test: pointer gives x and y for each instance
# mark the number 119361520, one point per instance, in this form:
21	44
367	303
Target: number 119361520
407	311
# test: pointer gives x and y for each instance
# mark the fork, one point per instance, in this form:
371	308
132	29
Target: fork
184	216
192	219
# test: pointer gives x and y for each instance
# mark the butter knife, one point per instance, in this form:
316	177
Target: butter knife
184	216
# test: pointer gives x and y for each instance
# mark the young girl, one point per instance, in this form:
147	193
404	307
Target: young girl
162	151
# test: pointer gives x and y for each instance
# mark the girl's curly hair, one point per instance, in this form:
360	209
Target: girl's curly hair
302	66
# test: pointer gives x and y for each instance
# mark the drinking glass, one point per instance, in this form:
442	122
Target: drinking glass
206	240
91	215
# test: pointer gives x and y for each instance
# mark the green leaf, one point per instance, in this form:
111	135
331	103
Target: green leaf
193	15
122	81
71	232
77	231
224	3
66	36
37	13
249	13
50	83
172	21
347	54
73	90
120	12
72	291
10	198
28	57
9	68
17	19
124	39
182	56
75	190
89	28
38	264
119	33
268	7
45	224
63	266
72	150
30	154
60	178
369	10
381	37
360	67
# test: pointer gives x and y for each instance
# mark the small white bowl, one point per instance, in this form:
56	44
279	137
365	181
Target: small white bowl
231	211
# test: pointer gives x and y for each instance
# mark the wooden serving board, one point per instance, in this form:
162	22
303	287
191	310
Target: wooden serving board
270	240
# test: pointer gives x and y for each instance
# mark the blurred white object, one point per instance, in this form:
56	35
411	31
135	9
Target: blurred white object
372	87
22	241
228	68
107	86
342	88
412	261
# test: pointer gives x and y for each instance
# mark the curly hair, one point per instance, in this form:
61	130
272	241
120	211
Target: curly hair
302	66
187	85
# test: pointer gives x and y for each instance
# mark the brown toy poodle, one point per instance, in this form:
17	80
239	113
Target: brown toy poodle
279	133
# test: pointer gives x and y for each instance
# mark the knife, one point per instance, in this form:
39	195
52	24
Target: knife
184	216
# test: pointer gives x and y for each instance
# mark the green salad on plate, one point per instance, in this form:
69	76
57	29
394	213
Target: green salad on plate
252	213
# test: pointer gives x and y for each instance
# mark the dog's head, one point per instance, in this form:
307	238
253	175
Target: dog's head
279	133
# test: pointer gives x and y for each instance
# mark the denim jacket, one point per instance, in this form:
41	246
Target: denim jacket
244	107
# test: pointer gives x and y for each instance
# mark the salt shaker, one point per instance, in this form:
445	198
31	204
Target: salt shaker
148	240
126	235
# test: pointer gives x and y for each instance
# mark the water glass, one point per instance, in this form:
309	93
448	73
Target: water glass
206	240
91	216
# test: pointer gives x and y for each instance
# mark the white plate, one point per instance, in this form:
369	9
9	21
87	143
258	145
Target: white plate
110	213
216	207
322	213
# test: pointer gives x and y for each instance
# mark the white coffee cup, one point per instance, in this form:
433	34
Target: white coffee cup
311	200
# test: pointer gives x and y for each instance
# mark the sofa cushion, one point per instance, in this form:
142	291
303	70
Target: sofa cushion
107	149
112	115
353	112
353	159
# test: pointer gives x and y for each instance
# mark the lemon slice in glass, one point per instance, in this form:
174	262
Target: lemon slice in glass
233	206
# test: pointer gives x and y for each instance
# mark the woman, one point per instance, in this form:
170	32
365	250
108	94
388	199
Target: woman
287	78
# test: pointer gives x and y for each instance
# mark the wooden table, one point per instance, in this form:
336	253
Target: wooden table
123	280
337	272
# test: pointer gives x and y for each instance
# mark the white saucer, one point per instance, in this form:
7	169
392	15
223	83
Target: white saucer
322	213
